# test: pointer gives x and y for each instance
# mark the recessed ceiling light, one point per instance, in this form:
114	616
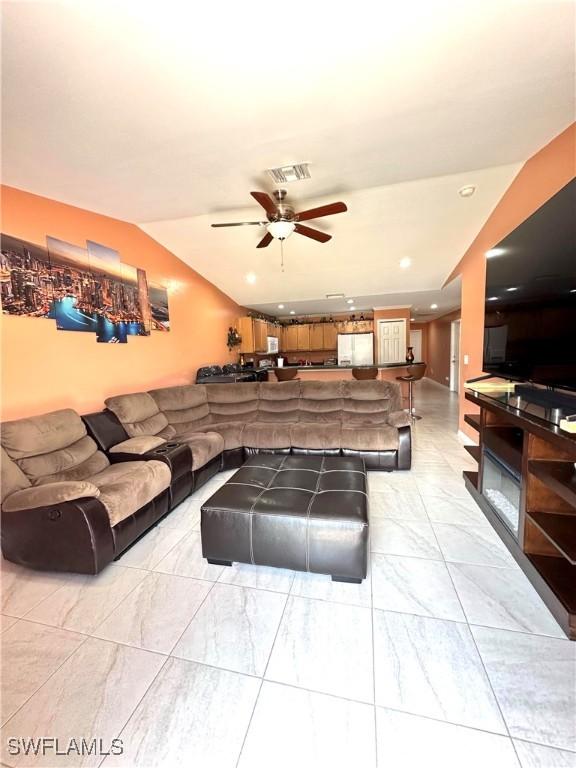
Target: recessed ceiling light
349	301
573	290
334	295
351	308
433	306
411	319
251	278
404	263
510	290
467	191
292	312
494	252
280	306
492	298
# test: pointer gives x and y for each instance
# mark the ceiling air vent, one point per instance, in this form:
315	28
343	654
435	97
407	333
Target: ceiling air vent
287	173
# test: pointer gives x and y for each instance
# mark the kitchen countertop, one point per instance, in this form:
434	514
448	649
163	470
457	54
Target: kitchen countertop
341	367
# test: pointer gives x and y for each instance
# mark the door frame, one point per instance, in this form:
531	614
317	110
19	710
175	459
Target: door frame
455	334
388	320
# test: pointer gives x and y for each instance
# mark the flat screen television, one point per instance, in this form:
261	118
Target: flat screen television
530	306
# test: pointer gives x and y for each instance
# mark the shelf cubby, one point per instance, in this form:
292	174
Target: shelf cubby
559	476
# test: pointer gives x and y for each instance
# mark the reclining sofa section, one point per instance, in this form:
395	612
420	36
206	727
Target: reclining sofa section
336	418
64	506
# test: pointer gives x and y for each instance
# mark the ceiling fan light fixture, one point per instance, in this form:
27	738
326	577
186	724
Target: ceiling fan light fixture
281	229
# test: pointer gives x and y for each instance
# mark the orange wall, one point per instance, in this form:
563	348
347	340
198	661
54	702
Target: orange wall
541	177
439	333
44	369
390	314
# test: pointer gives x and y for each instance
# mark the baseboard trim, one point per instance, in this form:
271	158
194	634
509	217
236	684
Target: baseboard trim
465	439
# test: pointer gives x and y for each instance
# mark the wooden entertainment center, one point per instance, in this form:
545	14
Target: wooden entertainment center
536	456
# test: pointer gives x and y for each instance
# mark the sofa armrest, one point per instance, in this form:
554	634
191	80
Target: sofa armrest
399	419
48	495
138	445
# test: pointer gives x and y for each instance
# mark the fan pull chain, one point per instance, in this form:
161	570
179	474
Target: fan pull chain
282	255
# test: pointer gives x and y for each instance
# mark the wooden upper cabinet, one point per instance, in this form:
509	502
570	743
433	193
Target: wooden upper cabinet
260	336
303	337
329	336
290	338
245	326
316	336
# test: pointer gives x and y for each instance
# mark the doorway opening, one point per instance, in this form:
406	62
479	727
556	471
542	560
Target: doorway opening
416	344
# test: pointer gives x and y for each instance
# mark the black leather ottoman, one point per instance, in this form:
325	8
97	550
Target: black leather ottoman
305	513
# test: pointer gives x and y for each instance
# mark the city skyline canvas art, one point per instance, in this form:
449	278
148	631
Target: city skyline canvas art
83	289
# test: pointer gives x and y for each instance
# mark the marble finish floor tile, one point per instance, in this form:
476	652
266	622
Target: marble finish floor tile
430	667
448	484
414	585
401	505
22	589
411	538
90	696
186	560
325	647
392	482
458	511
85	601
6	622
156	613
148	552
293	727
534	679
502	598
409	741
321	587
258	577
537	756
477	545
192	715
234	628
30	654
186	516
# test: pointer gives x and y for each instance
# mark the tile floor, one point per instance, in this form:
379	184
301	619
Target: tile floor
445	656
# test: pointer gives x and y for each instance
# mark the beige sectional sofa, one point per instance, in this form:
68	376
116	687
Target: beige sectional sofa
350	418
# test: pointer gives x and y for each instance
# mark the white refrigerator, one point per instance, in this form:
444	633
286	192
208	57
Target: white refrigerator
355	349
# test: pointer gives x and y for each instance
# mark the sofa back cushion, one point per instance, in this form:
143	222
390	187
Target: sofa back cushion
279	402
186	407
139	414
12	478
368	403
51	447
321	401
233	402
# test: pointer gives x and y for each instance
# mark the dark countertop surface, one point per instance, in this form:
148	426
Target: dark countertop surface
342	367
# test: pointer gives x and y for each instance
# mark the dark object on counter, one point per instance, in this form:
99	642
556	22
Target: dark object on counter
362	374
319	522
410	355
286	374
231	374
415	373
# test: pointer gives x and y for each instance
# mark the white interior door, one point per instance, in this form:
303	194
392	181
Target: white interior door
455	355
416	344
391	341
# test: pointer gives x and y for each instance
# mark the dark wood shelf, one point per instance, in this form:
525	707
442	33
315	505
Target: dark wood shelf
560	576
470	478
474	451
560	530
506	444
473	419
559	476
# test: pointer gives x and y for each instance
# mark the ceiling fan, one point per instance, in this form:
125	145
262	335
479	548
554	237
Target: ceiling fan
282	219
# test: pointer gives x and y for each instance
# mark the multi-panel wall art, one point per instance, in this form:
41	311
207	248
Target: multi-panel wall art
83	289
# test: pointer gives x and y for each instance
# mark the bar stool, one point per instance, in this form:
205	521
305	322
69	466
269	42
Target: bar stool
364	373
415	373
286	374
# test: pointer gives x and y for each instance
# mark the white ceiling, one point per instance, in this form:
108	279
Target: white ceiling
169	112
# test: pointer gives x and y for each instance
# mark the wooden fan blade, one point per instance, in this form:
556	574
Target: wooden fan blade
315	234
266	240
265	201
241	224
323	210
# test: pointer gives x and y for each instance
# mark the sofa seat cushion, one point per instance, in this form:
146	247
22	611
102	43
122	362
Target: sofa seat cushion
128	486
231	432
48	495
204	446
316	435
260	434
381	438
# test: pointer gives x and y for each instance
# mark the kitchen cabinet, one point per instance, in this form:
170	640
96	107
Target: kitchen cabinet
303	337
254	333
329	336
290	341
316	336
260	336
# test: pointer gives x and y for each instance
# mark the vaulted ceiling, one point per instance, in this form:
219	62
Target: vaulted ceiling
167	114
